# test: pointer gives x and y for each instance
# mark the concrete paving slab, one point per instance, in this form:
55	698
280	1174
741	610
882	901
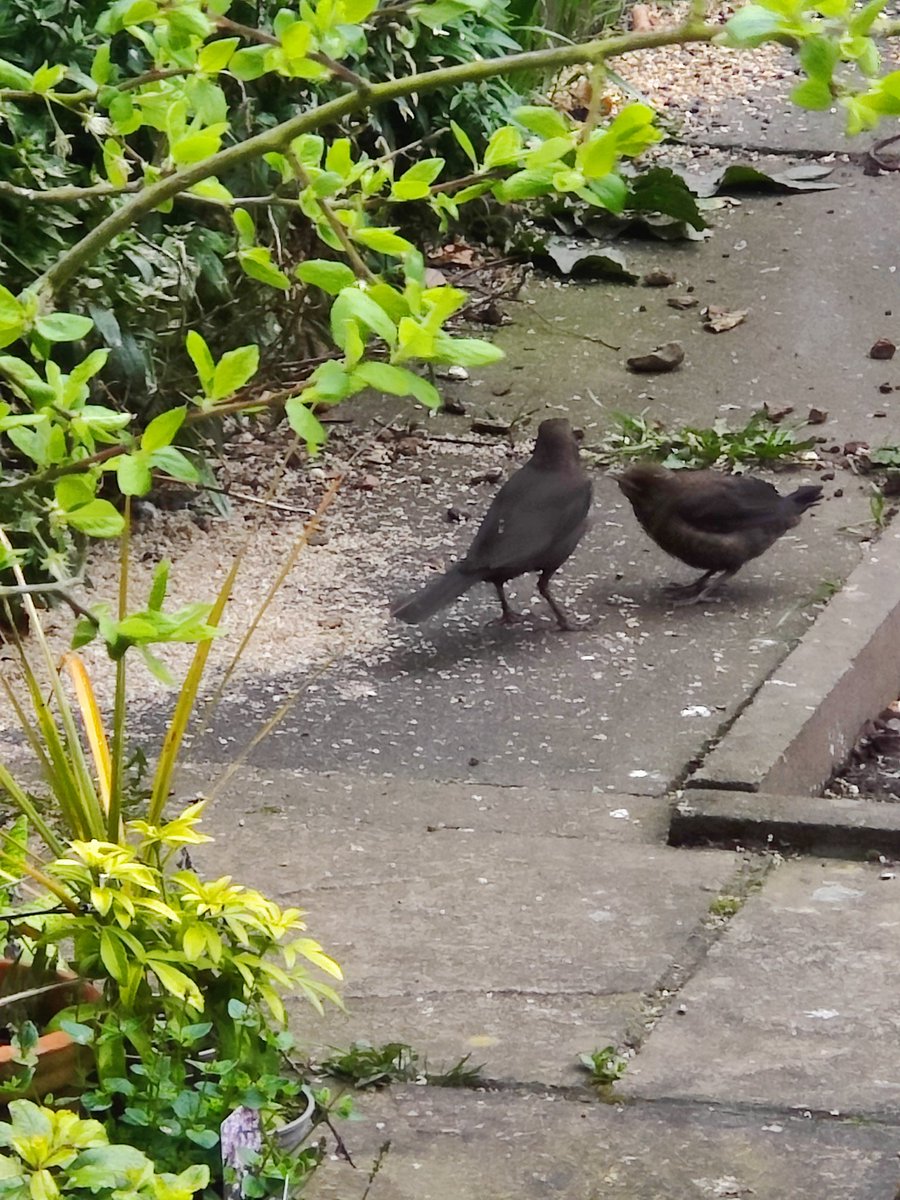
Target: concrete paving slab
806	718
451	1145
795	1006
620	707
844	827
533	1041
453	922
310	800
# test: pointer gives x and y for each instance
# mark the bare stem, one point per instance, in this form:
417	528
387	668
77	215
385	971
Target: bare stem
71	262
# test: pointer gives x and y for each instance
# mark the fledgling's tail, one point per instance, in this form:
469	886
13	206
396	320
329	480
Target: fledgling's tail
806	496
431	599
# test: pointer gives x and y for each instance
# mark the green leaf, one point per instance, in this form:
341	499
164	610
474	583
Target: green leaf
201	358
504	147
524	185
99	519
309	148
331	382
812	93
258	264
212	189
173	462
466	143
382	241
633	129
112	954
611	191
162	429
133	474
197	145
303	422
597	157
160	586
398	381
548	152
101	69
466	352
215	56
331	277
546	122
296	39
233	370
74	490
249	62
415	183
355	306
14	77
46	78
63	327
750	26
338	158
244	224
818	57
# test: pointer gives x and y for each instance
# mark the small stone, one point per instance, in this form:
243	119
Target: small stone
331	622
456	516
658	278
885	389
487	425
368	483
454	407
457	373
884	348
682	302
409	446
817	416
663	358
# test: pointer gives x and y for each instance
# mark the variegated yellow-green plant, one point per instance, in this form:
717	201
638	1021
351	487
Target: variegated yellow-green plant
183	965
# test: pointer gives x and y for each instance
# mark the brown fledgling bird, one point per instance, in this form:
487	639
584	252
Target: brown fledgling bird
533	524
711	521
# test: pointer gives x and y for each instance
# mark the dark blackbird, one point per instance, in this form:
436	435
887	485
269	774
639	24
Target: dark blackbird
711	521
533	524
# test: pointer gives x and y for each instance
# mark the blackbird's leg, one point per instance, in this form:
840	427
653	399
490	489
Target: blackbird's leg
562	620
509	617
701	589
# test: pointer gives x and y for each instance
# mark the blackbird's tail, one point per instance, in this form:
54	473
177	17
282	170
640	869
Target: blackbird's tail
431	599
806	496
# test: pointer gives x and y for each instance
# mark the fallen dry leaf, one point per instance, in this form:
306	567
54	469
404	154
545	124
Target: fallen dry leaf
720	320
682	302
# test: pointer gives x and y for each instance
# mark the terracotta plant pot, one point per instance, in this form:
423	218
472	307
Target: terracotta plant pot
59	1057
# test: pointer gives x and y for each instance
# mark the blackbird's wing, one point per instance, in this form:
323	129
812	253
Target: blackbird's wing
530	515
726	503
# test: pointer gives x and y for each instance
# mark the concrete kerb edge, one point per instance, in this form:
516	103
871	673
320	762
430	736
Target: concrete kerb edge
837	828
806	717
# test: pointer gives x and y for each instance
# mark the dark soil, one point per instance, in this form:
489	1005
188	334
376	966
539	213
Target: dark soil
873	771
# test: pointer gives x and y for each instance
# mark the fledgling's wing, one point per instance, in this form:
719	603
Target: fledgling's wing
723	504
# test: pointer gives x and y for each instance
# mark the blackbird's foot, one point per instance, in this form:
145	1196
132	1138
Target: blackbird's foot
704	588
568	624
509	618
